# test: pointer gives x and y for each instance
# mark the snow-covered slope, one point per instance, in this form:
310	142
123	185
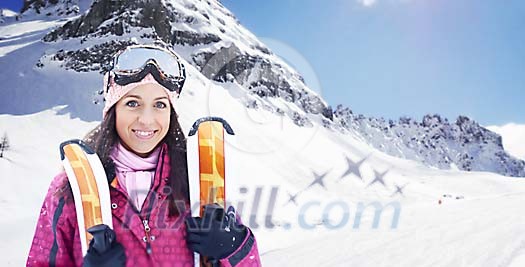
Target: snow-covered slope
6	14
25	173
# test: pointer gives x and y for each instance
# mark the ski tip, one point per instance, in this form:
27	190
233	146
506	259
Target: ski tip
79	142
225	124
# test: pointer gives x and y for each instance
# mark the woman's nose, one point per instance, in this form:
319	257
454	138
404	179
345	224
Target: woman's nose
147	116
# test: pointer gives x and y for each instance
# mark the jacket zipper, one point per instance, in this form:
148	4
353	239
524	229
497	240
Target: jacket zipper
145	223
147	236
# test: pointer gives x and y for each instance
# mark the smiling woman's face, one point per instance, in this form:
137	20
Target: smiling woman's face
143	118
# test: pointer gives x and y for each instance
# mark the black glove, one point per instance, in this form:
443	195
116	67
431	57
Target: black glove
104	250
215	235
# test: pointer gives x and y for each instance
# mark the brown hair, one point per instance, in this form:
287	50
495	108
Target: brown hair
104	137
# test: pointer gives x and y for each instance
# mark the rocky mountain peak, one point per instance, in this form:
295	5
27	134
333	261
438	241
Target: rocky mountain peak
434	141
433	120
54	8
210	36
122	16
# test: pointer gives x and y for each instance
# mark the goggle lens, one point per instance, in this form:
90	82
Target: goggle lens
135	61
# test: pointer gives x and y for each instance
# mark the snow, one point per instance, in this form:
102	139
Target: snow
270	152
59	8
16	36
27	170
7	12
26	28
513	135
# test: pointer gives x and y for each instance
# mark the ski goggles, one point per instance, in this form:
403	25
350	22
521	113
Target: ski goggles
135	62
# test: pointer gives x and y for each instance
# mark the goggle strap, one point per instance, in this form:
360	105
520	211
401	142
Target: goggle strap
109	81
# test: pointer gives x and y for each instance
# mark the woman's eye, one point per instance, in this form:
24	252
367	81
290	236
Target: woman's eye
132	104
160	105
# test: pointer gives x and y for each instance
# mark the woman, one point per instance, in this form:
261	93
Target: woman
143	150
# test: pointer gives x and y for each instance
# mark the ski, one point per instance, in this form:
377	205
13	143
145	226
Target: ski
90	188
207	166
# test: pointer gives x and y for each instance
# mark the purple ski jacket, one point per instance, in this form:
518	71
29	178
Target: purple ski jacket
57	240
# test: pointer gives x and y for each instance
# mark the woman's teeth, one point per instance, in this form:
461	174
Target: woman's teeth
144	134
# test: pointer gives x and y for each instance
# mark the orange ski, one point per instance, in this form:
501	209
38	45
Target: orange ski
210	155
88	182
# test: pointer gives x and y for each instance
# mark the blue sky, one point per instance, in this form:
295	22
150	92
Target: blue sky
405	57
14	5
390	58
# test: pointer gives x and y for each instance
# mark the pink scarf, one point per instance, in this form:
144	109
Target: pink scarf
135	174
